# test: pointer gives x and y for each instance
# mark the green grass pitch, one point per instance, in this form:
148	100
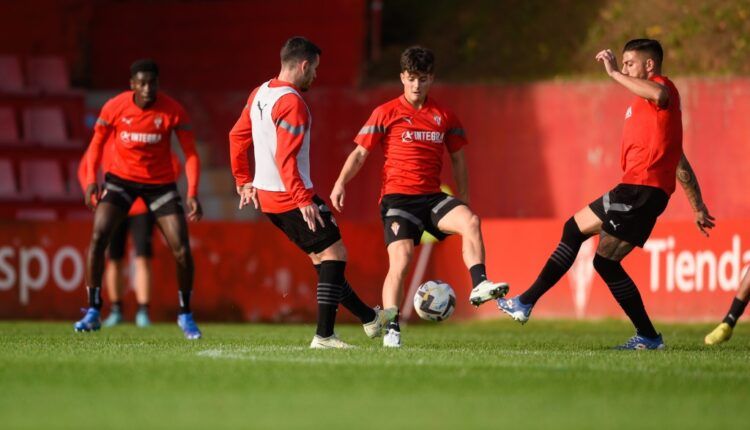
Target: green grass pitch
494	374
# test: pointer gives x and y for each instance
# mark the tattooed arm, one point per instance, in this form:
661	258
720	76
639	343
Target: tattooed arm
689	182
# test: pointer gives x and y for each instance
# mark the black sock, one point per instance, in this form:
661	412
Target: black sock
330	282
351	301
185	300
95	297
143	307
478	274
116	306
735	312
557	264
393	324
626	294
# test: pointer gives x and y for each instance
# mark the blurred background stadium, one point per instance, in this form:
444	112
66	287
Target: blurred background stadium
543	122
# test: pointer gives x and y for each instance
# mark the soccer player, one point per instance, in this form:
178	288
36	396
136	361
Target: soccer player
652	157
141	122
723	332
140	224
414	131
276	123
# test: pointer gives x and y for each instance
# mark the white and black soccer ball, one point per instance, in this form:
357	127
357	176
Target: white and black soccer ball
434	301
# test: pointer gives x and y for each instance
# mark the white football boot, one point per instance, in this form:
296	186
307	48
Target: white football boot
375	327
331	342
486	291
392	339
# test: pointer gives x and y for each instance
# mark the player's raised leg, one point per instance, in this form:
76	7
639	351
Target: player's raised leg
106	219
462	221
174	228
576	230
723	332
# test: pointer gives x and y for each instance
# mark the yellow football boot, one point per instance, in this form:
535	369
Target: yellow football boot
720	334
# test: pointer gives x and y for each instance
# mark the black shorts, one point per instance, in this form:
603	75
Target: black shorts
629	212
141	229
161	199
296	229
407	216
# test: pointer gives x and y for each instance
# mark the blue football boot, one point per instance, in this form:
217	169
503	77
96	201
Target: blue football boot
90	322
142	320
188	326
517	310
114	318
639	342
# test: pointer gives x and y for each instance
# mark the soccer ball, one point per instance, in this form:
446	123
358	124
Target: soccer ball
434	301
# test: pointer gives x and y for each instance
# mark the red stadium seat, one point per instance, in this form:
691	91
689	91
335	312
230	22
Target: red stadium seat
8	186
48	73
46	125
8	127
43	179
10	70
74	187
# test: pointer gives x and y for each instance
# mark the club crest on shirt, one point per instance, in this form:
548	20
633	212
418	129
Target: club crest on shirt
395	226
629	112
157	122
438	119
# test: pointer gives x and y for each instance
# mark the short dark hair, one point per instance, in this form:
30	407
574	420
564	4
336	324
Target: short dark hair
144	65
649	46
417	59
299	48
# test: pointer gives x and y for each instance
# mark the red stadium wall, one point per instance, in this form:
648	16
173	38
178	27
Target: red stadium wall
250	272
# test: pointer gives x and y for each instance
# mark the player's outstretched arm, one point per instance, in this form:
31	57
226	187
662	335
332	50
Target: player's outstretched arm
689	182
645	88
353	163
461	174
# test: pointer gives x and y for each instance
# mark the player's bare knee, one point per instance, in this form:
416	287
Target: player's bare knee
337	252
400	254
99	240
182	256
474	224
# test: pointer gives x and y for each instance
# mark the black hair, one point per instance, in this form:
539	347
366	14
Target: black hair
649	46
297	49
144	65
417	59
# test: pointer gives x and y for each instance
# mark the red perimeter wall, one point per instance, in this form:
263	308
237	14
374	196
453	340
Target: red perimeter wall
251	272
